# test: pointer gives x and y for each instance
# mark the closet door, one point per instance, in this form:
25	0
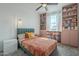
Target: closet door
74	38
65	37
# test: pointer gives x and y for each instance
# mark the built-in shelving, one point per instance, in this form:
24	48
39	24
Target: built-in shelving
43	24
70	17
69	25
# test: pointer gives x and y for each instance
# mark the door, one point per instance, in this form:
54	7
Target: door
65	37
74	38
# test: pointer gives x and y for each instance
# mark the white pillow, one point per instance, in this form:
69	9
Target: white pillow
20	37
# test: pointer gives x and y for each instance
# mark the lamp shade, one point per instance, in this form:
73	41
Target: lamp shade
19	22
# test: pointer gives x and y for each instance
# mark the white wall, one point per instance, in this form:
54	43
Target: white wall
8	17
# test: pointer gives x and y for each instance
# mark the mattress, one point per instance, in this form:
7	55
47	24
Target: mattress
40	46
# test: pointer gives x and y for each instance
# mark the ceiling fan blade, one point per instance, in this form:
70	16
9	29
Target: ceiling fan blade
38	8
52	3
46	8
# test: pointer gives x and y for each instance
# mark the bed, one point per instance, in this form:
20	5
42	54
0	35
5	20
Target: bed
37	46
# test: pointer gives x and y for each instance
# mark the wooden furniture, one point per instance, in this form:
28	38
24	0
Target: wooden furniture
22	31
43	24
36	46
54	35
69	26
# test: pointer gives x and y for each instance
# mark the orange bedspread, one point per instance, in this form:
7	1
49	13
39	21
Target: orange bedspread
40	46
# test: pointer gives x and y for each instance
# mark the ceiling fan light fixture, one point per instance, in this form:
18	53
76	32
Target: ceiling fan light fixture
44	5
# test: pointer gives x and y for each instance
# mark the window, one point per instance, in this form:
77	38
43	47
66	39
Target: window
53	21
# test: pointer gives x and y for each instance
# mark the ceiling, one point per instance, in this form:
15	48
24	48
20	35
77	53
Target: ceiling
51	8
31	7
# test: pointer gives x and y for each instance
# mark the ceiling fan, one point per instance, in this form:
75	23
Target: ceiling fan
44	5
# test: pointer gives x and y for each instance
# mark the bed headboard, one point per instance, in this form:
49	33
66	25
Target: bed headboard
23	30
